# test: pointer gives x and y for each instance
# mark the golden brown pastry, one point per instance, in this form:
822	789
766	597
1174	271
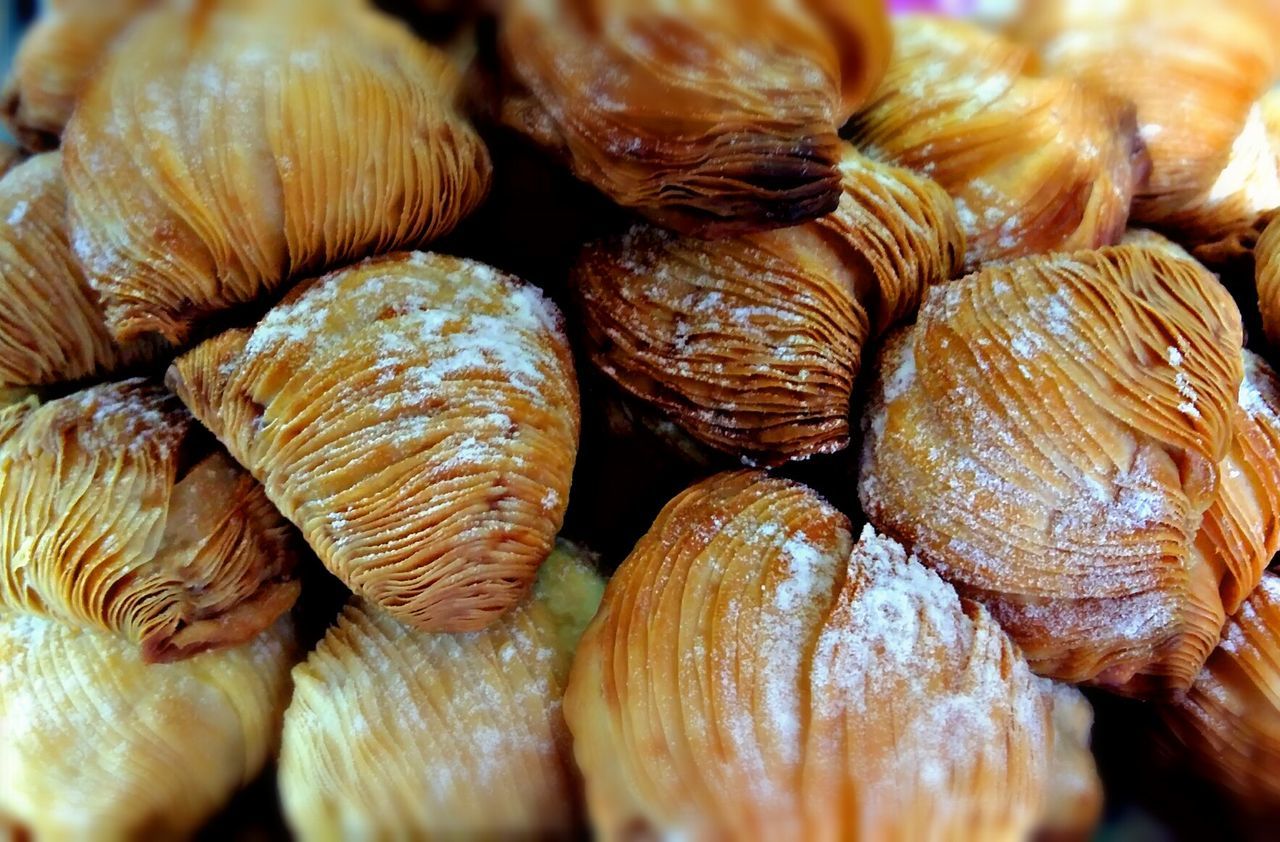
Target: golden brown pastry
51	328
56	58
229	146
110	518
753	344
1049	437
706	117
1229	721
1267	262
417	417
395	733
97	744
1035	163
10	157
1193	72
1073	804
747	678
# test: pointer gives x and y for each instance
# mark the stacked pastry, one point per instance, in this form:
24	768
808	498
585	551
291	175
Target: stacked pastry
229	357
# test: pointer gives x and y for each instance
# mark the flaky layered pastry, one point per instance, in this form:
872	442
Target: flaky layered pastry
55	59
97	744
51	327
1035	163
1073	802
228	146
706	117
1266	255
111	519
1229	721
395	733
752	675
1050	435
417	417
753	344
1194	74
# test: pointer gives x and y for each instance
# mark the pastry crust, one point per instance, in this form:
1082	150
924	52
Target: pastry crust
707	118
395	733
95	743
177	215
101	529
416	416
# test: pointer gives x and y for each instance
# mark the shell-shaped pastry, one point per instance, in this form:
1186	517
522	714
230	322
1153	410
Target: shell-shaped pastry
417	417
55	59
395	733
108	521
706	117
204	169
1035	163
51	328
1267	268
1048	438
753	344
1193	75
95	743
747	678
1073	804
1229	721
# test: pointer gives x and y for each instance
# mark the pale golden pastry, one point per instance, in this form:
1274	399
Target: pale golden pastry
1073	805
753	344
1194	72
395	733
229	146
706	117
1049	436
747	677
97	744
416	416
1229	721
51	328
10	157
1035	163
1266	254
55	59
112	519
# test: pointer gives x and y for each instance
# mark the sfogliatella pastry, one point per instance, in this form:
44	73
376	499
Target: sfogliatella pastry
98	744
1193	73
1266	254
226	147
1050	437
753	344
752	674
55	59
416	416
395	733
1035	163
51	327
112	518
706	117
1073	804
1229	721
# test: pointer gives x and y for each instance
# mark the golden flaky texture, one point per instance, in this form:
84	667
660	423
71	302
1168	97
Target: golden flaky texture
1267	268
417	417
706	117
1035	163
395	733
97	744
106	521
227	146
1073	804
746	678
1193	72
51	328
1048	436
54	61
753	344
1229	720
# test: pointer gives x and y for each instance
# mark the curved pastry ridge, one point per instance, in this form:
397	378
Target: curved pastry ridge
101	530
100	744
395	732
416	416
753	344
1267	271
204	171
707	119
1049	437
797	686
